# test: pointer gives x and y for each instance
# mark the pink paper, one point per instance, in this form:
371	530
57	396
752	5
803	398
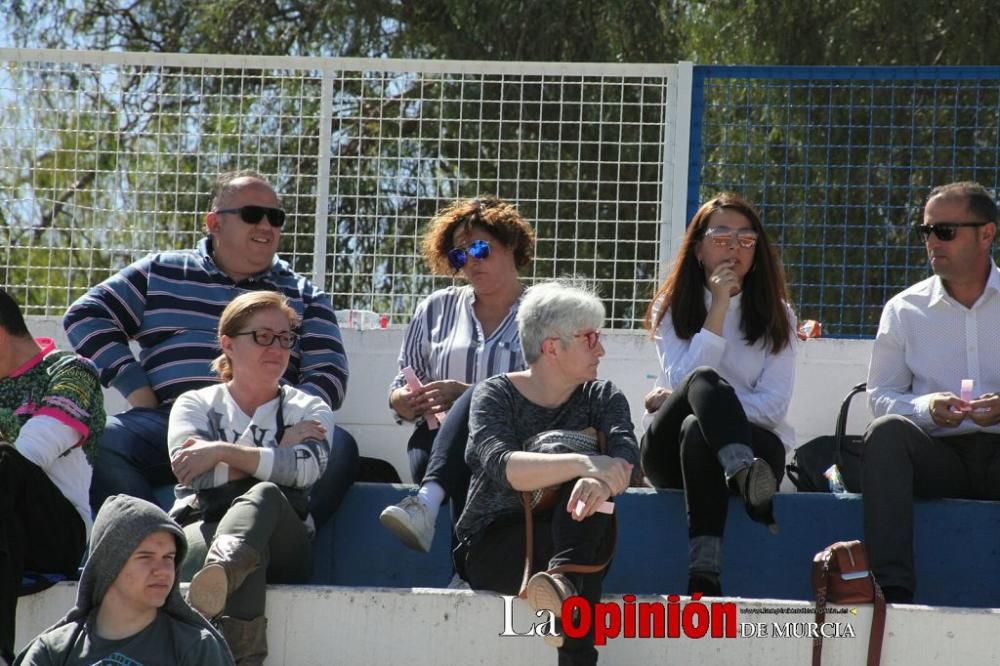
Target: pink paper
966	392
605	507
413	382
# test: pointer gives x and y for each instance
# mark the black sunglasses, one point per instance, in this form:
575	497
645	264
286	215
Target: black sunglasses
459	256
945	230
254	214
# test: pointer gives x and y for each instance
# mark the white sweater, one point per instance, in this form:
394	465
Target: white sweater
211	414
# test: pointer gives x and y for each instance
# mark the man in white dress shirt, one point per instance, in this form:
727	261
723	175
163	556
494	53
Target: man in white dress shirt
932	435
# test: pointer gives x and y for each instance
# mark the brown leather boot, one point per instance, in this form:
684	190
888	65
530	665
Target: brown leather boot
229	561
247	639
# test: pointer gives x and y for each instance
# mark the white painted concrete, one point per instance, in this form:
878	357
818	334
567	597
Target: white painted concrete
826	370
423	627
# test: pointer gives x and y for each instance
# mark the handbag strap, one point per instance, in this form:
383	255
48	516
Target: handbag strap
841	429
878	628
817	651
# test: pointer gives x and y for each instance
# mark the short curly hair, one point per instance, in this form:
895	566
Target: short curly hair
495	216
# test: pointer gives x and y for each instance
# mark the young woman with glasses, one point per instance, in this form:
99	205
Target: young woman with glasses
246	452
725	337
458	336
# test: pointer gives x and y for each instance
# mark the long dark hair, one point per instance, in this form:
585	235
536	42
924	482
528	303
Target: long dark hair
764	292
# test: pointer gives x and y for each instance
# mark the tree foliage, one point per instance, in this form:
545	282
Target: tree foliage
842	158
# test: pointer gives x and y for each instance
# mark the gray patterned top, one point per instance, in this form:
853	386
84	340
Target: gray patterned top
501	419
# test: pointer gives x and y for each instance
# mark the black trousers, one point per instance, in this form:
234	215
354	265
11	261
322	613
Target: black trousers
494	559
439	455
902	462
680	447
40	530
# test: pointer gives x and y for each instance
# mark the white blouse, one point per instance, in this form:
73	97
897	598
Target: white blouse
763	381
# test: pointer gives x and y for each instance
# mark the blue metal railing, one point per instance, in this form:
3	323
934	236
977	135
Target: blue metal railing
839	161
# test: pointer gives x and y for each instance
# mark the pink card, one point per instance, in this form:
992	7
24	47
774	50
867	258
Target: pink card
605	507
413	382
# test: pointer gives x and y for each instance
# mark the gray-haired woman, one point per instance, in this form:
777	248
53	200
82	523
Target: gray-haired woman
559	327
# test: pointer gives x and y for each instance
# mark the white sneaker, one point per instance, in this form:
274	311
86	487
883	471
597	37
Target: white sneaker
411	521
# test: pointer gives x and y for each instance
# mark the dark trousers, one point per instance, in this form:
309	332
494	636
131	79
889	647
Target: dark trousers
439	455
132	459
40	530
901	462
495	559
680	447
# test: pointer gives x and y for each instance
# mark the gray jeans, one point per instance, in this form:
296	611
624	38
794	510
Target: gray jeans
266	521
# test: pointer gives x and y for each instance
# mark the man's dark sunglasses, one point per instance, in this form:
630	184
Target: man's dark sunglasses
945	230
254	214
458	256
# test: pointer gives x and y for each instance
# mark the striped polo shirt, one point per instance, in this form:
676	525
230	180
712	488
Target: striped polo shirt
445	340
170	304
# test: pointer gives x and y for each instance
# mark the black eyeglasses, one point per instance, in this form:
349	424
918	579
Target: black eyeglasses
267	338
459	256
944	230
254	214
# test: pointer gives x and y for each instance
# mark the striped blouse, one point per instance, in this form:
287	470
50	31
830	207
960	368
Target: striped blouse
445	341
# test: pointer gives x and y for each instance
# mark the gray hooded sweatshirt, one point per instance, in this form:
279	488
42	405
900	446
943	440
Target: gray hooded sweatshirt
178	635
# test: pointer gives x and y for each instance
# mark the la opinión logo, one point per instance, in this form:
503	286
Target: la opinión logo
630	619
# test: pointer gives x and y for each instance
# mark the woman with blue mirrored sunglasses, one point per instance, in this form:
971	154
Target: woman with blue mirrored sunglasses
459	256
458	336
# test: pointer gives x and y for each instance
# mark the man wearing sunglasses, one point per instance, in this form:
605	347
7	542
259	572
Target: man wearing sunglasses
170	303
936	434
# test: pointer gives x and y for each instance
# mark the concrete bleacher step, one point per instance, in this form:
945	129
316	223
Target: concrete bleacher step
373	601
356	626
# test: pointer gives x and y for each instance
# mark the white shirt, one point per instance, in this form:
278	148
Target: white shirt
927	342
51	444
763	381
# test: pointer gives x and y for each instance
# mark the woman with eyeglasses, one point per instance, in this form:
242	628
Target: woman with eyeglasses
246	452
458	336
526	436
716	418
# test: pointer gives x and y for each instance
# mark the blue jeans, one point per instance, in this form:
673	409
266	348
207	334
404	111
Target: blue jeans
132	459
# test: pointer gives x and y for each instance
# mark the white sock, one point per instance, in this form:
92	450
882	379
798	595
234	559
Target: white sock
431	494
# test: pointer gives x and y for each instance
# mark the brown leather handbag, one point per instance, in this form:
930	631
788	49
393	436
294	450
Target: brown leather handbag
840	575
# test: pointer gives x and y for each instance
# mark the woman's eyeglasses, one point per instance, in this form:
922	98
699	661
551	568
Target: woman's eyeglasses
725	237
593	337
945	231
254	214
459	256
267	338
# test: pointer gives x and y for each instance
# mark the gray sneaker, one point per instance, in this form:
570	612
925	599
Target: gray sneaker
411	521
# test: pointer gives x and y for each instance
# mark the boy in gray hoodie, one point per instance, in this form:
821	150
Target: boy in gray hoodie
128	605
